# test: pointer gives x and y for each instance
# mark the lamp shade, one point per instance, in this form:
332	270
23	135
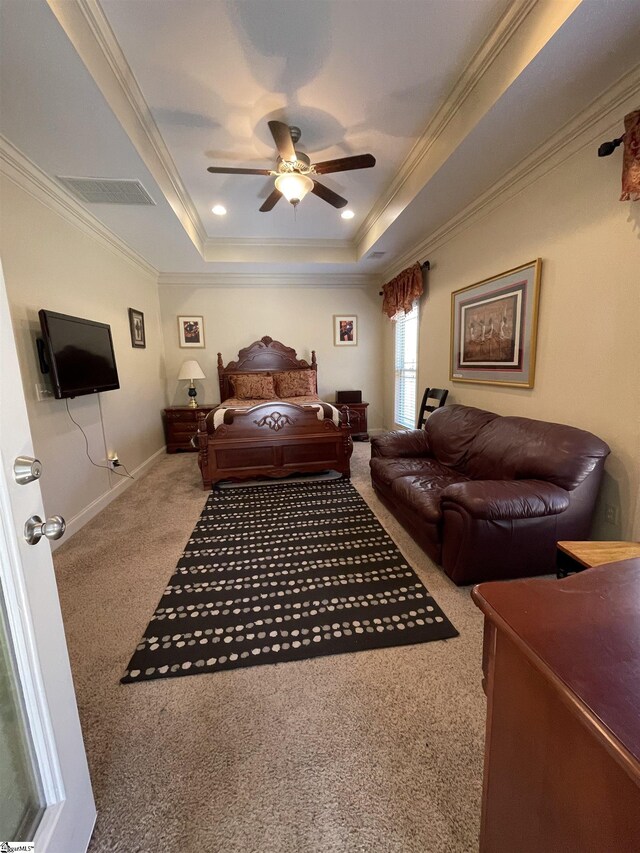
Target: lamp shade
294	186
191	370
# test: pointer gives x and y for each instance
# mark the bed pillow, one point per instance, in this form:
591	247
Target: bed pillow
295	383
253	386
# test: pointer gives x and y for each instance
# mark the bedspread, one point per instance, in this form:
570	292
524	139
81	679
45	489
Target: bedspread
324	410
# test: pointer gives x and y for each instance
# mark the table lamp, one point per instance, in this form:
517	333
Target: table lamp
191	370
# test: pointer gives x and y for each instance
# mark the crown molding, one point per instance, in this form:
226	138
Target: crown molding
89	31
23	172
290	242
259	250
235	279
521	33
577	133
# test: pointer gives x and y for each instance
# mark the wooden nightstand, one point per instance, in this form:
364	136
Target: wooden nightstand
180	425
357	419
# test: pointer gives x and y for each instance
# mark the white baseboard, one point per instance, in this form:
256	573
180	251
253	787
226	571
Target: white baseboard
78	521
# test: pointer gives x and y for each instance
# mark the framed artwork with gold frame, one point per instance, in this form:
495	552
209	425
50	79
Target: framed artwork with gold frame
494	325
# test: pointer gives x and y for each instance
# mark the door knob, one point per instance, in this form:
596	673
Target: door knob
36	528
26	469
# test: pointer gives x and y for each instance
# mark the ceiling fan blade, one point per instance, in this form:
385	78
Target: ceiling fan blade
345	164
225	170
282	137
328	195
270	202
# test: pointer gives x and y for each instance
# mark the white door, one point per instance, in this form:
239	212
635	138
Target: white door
45	790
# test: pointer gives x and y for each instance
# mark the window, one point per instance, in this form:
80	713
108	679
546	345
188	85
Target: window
406	366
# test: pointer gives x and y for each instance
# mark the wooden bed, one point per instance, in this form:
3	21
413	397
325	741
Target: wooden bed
274	438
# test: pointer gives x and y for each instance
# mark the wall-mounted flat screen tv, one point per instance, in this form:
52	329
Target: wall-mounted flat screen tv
80	355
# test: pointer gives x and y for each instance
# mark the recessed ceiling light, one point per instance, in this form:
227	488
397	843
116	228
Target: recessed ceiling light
219	210
347	214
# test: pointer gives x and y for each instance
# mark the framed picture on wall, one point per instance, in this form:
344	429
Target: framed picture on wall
191	332
136	327
345	330
494	326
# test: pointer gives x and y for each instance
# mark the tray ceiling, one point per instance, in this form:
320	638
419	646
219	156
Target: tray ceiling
447	96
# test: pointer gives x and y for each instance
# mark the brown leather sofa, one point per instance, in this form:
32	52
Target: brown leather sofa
487	497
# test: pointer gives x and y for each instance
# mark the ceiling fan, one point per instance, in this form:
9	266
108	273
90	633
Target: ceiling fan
293	170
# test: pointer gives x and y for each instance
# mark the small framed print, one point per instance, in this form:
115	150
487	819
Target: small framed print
345	330
191	332
494	326
136	327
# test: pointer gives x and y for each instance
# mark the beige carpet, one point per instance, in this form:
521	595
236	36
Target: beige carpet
380	750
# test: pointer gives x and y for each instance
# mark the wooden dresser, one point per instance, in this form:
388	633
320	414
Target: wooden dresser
562	678
180	425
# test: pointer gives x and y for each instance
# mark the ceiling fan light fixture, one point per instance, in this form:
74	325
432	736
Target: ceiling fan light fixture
219	210
347	214
292	170
294	186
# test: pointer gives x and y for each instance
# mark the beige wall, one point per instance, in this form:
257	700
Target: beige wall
299	317
50	263
588	364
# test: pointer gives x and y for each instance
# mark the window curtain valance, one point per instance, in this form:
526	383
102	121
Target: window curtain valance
631	158
399	294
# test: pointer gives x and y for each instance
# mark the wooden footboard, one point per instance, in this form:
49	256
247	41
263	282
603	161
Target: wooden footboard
274	439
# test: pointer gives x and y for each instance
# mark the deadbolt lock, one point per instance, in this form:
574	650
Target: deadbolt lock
26	469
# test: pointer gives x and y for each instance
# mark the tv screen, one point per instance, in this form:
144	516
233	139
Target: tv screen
80	354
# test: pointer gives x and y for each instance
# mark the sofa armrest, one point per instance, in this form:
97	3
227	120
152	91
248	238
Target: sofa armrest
402	442
501	500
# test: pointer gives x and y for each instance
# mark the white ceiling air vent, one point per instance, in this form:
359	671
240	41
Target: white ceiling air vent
107	190
374	256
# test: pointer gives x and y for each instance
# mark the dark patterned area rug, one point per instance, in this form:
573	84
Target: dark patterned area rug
283	573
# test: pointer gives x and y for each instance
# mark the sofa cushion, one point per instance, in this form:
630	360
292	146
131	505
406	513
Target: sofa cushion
452	430
502	500
511	448
421	493
401	442
388	470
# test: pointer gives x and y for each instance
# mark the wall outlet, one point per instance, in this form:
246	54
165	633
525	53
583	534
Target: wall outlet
114	462
611	514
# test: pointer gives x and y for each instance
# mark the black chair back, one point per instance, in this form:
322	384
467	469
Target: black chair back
432	399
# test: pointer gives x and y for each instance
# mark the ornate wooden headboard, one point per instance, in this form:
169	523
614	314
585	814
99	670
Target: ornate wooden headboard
263	356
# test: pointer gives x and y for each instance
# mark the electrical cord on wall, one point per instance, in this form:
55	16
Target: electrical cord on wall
126	474
86	450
